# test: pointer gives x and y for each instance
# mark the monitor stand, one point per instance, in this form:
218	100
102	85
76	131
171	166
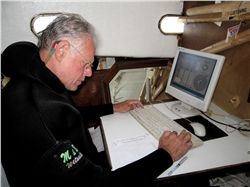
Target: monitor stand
181	109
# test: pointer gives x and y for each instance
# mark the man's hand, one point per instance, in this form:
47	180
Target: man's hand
176	145
127	106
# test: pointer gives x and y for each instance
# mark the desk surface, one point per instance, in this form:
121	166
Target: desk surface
126	141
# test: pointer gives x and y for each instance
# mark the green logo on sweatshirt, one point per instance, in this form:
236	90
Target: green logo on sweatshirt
71	156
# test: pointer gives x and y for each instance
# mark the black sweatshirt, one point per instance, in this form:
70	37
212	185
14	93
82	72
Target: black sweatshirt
45	141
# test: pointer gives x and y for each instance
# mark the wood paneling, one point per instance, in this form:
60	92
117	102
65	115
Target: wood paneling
233	88
91	91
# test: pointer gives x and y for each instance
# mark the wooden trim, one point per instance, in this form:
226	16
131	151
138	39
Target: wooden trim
241	38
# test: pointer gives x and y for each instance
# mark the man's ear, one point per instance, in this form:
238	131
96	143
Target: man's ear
61	49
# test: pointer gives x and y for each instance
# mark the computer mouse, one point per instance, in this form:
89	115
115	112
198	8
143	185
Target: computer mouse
199	129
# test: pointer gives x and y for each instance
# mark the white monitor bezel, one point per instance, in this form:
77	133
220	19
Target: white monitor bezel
188	98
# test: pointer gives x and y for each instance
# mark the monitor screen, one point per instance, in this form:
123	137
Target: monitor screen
193	77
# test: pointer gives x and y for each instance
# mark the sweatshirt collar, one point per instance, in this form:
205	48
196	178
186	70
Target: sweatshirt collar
47	77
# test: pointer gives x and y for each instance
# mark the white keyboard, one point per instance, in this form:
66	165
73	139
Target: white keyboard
156	123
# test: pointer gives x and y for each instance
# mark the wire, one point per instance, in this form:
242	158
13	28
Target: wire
225	124
228	125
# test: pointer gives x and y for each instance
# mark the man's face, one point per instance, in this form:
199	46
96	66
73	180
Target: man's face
78	63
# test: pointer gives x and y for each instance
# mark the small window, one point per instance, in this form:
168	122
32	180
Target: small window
40	21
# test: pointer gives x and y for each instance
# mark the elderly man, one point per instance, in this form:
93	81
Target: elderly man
45	140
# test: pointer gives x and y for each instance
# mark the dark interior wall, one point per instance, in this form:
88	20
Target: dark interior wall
232	92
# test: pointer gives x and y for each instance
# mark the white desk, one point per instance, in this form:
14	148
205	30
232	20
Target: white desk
126	141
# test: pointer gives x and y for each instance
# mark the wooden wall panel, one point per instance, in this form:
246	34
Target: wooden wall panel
233	88
234	85
91	92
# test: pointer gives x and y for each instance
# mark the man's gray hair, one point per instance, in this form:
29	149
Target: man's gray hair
67	25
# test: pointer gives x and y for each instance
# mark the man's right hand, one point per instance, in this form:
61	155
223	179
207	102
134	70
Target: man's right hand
175	144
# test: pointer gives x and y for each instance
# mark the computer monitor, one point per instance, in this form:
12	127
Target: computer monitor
192	79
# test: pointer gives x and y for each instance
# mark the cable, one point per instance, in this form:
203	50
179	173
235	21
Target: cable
237	128
227	125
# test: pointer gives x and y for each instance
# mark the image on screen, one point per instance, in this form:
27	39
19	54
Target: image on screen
193	73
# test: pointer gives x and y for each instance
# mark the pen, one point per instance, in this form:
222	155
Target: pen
177	166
